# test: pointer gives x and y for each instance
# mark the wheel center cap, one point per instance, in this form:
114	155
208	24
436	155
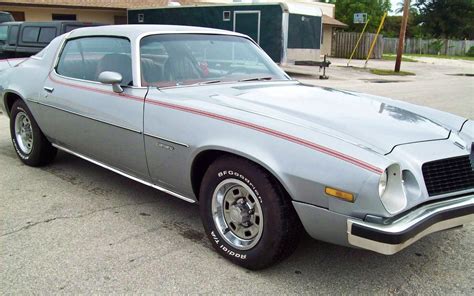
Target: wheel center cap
236	215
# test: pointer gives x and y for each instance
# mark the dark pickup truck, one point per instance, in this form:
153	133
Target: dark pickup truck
24	39
6	17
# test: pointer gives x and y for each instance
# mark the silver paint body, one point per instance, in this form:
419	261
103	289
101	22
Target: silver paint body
156	144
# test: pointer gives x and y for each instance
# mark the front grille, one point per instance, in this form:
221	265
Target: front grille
448	175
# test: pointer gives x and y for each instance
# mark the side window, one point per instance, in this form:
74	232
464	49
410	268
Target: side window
46	34
69	28
30	34
85	58
12	37
3	34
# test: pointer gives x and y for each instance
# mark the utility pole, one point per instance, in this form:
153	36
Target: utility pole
403	30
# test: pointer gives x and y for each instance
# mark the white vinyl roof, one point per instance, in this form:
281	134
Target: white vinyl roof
133	31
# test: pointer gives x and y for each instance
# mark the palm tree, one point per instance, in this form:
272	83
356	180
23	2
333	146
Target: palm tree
413	8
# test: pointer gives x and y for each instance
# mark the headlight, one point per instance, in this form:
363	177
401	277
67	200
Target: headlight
383	183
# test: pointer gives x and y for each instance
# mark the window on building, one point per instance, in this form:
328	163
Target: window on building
226	16
19	16
64	17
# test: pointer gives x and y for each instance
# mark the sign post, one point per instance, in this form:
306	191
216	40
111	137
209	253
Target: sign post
359	18
376	37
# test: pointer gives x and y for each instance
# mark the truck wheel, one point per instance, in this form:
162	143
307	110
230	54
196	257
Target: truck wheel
30	144
247	216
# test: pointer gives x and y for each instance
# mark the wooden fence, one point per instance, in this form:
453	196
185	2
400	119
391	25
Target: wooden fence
344	42
427	46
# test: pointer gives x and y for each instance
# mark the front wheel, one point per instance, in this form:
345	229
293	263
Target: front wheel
246	214
30	144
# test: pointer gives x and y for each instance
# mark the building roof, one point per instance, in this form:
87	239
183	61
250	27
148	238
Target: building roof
123	4
330	21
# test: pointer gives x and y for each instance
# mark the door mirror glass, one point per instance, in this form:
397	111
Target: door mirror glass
113	78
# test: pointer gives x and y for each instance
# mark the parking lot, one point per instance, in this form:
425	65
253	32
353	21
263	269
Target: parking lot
73	227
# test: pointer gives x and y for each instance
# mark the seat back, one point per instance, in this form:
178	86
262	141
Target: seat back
120	63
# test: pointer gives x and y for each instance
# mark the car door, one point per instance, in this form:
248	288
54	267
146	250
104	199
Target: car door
88	117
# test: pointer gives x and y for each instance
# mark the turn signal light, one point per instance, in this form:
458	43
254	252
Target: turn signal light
340	194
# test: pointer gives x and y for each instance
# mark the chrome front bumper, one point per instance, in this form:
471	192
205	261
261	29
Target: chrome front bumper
398	233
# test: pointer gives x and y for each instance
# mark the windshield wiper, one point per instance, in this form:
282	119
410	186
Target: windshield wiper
256	79
210	82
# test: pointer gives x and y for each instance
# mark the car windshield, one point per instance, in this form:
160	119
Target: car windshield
169	60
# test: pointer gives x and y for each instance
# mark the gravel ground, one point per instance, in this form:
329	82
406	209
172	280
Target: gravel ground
74	228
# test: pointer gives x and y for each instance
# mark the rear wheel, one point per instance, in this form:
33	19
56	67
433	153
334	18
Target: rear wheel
30	144
246	214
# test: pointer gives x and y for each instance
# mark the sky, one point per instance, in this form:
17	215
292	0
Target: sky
394	5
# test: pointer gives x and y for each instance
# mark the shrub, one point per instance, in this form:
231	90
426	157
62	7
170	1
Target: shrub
470	52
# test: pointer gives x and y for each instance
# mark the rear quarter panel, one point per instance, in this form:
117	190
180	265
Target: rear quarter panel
27	76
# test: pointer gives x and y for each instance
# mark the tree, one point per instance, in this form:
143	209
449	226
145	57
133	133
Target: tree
375	9
393	22
447	18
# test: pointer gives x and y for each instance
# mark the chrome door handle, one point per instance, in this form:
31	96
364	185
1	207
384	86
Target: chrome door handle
49	89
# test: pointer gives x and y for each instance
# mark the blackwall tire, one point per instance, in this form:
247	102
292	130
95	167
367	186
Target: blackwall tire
255	225
29	143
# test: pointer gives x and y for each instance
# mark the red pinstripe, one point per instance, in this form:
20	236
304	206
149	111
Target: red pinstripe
274	133
245	124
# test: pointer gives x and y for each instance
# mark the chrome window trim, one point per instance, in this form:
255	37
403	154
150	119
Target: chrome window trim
143	35
223	83
66	39
162	189
60	50
91	81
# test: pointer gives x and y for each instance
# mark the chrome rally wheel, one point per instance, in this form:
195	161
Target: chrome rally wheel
24	132
237	214
31	145
247	215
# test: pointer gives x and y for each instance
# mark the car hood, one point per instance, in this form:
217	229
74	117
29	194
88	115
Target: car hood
363	120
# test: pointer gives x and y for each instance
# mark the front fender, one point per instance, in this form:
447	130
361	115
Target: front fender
304	161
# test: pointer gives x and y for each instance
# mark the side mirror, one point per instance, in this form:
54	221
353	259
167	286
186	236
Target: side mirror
112	78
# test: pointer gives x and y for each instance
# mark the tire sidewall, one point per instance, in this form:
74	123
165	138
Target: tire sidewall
18	107
264	192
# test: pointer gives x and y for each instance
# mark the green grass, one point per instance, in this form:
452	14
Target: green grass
390	72
389	57
440	57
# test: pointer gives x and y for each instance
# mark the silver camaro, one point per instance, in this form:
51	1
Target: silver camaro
206	116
